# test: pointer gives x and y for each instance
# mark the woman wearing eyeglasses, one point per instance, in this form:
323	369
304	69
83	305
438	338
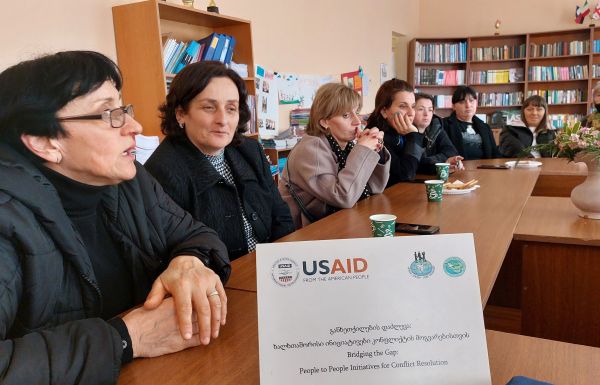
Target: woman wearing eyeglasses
86	234
394	113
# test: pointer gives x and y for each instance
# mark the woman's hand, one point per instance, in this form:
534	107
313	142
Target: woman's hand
155	332
195	288
371	138
455	163
403	124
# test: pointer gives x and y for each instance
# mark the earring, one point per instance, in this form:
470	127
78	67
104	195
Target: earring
181	125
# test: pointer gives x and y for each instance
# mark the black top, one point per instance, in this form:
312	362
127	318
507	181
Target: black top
82	203
438	147
471	140
489	150
194	184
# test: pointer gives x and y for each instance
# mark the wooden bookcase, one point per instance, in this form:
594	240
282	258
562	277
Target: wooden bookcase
140	30
527	62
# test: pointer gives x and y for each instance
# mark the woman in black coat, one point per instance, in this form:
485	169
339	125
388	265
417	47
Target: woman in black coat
471	136
393	114
438	147
534	130
207	165
86	234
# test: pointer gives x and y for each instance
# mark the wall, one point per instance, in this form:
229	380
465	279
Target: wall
329	37
444	18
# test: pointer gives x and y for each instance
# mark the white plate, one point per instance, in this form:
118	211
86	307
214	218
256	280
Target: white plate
524	164
459	192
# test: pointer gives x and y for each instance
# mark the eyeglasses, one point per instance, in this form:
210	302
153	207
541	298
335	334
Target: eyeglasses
115	117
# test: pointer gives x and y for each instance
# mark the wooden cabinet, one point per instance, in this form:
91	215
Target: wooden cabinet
141	28
505	70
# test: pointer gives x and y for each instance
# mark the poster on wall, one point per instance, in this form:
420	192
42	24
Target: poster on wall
353	80
299	89
267	103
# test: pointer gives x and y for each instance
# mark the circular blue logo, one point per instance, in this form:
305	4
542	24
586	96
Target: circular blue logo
285	272
421	269
454	267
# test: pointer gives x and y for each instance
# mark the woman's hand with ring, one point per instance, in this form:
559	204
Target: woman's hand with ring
195	288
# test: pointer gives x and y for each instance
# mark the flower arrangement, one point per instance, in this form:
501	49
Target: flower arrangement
572	141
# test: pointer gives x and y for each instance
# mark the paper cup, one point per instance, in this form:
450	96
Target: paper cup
442	170
434	190
383	225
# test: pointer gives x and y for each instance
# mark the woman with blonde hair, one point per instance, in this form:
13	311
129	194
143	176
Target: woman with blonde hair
335	164
532	130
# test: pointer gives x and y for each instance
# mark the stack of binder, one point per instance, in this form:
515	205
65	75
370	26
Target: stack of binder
215	46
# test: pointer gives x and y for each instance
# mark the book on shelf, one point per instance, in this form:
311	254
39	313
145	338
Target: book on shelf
176	55
498	53
441	52
510	75
499	99
559	48
558	96
548	73
433	76
560	121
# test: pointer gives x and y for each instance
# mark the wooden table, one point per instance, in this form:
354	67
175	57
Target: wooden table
491	213
560	272
233	357
557	176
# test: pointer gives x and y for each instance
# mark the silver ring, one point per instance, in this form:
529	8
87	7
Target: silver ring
213	293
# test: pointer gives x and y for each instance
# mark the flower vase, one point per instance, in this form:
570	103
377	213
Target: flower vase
586	196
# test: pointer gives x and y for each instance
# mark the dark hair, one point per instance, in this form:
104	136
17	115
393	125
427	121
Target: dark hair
191	81
461	94
420	95
384	99
32	92
537	101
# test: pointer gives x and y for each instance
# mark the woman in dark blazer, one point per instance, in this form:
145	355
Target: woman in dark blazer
209	168
534	129
471	136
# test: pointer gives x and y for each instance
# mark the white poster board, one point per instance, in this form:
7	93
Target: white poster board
403	310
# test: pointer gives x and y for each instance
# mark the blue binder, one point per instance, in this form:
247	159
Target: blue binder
229	55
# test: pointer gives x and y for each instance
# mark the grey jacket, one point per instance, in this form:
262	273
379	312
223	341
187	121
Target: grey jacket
313	171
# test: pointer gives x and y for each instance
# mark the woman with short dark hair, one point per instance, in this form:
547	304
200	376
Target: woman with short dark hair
86	234
533	129
471	136
438	147
207	165
393	114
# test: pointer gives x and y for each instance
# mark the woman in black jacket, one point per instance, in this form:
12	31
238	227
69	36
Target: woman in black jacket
438	147
534	129
471	136
394	113
207	165
86	234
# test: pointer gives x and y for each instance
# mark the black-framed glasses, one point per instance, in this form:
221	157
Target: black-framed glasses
115	117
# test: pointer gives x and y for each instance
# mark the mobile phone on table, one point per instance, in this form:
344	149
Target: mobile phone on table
414	228
494	166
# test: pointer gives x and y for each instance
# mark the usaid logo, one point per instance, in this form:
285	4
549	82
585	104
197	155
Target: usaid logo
285	272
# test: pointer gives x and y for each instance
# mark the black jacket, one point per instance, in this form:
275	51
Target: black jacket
438	147
513	139
49	298
452	127
191	180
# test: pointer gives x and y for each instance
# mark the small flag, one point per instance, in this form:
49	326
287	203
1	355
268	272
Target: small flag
582	12
596	13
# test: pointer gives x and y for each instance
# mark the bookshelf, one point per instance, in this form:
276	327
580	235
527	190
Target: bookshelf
140	30
505	69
